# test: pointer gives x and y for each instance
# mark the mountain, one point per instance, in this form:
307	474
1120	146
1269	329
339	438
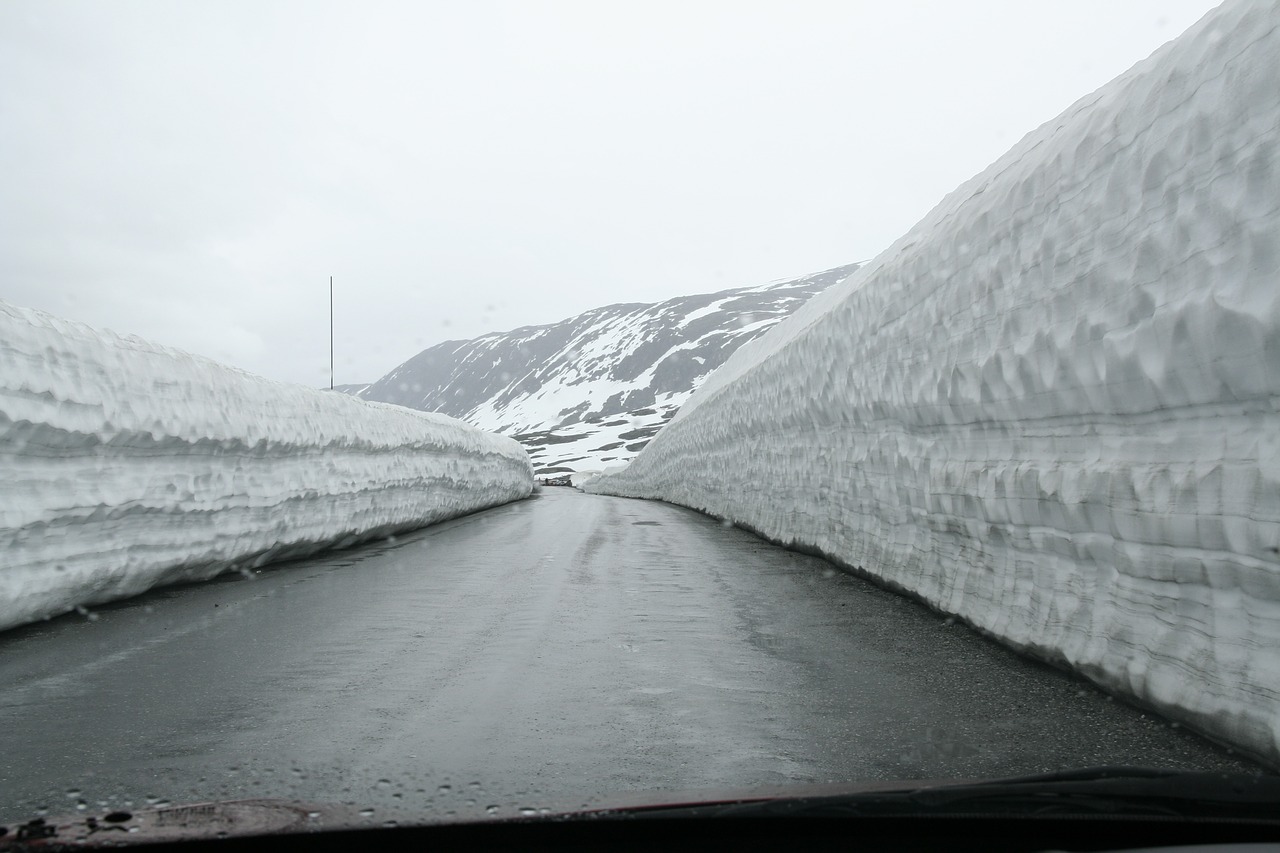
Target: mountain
591	390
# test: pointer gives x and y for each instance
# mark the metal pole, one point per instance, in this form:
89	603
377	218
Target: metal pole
330	333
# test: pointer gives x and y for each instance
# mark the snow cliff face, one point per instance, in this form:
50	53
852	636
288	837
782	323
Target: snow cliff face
128	465
606	362
1052	407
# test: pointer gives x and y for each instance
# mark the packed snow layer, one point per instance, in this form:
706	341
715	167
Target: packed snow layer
128	465
1051	408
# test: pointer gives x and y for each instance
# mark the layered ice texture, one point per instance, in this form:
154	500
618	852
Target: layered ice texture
126	465
1051	408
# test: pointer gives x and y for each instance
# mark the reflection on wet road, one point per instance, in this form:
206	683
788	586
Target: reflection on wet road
548	653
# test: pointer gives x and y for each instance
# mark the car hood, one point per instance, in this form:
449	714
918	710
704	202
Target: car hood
1093	792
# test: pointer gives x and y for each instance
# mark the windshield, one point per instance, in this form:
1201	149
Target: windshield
545	408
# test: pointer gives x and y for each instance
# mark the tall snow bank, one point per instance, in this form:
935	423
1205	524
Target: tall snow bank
127	465
1051	408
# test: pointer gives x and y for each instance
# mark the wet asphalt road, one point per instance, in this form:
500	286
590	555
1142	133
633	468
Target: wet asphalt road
550	653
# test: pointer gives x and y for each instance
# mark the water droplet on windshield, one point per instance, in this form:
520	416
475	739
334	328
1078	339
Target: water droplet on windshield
491	810
73	792
525	811
444	789
366	812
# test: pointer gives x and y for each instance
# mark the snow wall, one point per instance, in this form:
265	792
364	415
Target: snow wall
127	465
1051	408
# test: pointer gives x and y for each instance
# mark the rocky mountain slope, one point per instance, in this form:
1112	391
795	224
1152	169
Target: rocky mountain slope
591	390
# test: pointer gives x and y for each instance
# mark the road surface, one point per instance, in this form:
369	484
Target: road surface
549	653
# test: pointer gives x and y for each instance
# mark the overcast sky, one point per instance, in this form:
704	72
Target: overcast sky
194	172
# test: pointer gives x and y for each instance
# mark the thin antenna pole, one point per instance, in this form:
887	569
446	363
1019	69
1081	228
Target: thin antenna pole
330	333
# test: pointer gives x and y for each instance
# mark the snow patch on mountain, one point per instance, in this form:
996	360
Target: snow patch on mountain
605	362
594	445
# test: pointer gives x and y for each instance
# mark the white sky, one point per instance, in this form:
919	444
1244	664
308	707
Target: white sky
194	172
